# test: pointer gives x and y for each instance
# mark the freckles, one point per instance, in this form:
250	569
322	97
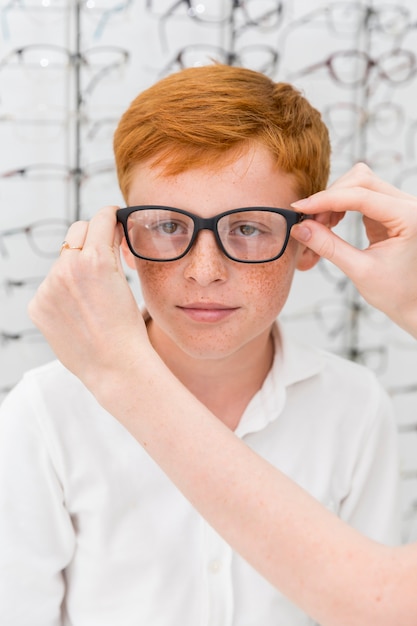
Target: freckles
153	276
272	282
156	286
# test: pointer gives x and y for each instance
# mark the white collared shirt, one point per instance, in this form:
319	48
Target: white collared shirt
92	533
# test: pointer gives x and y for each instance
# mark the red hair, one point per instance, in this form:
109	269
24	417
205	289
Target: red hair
202	116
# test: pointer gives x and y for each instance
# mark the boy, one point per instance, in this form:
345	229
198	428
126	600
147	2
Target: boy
92	532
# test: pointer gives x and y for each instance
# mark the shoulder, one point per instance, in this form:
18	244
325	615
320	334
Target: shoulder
51	383
51	410
301	360
46	395
330	382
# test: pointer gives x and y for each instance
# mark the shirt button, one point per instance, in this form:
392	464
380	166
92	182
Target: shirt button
215	566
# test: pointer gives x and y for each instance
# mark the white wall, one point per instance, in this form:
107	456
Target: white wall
40	118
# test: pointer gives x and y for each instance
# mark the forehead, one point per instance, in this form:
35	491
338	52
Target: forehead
249	179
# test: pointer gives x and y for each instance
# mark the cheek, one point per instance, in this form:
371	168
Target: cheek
268	285
155	279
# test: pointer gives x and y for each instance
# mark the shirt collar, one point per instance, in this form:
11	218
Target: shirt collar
296	361
293	362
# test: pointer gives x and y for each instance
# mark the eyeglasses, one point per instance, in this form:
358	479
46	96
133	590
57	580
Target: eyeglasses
104	12
43	236
335	316
349	18
9	285
44	13
28	334
44	56
247	235
212	12
40	13
256	12
41	60
263	13
347	118
351	68
257	57
238	15
58	171
30	125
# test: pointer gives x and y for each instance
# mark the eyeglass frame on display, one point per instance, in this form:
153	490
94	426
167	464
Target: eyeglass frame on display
229	57
371	63
74	59
28	231
61	12
369	19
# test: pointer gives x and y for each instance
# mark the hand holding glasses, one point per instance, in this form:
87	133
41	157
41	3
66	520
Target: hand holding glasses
246	235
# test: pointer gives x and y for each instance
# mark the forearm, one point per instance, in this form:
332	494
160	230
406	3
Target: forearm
330	570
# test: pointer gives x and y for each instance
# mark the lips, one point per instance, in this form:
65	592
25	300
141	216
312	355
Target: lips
207	312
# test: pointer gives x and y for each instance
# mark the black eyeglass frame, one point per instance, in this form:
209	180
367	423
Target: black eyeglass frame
209	223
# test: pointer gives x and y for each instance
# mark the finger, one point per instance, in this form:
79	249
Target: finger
329	218
104	237
102	229
375	205
328	245
361	175
75	236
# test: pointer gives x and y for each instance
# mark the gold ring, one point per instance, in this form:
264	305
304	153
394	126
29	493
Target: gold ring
65	246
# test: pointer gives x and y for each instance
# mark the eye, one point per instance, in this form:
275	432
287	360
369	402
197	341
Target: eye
246	229
168	227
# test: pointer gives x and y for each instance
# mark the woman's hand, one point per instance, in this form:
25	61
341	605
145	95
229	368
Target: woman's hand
85	307
385	272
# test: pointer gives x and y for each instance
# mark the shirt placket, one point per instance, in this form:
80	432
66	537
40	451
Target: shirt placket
218	592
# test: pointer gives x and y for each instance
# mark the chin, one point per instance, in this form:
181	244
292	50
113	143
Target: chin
207	353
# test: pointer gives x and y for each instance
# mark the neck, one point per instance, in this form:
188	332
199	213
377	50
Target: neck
225	385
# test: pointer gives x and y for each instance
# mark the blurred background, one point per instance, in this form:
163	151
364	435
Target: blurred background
69	69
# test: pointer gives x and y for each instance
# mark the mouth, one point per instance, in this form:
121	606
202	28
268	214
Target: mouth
207	312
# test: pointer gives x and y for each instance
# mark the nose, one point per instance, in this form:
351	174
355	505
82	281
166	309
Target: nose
205	263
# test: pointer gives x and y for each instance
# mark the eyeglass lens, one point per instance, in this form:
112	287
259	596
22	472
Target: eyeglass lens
249	235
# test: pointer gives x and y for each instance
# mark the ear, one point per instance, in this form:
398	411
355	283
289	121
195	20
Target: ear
306	259
127	255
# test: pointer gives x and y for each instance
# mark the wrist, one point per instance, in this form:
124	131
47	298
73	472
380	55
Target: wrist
114	384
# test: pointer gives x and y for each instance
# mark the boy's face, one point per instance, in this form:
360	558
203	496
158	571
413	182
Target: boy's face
204	303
